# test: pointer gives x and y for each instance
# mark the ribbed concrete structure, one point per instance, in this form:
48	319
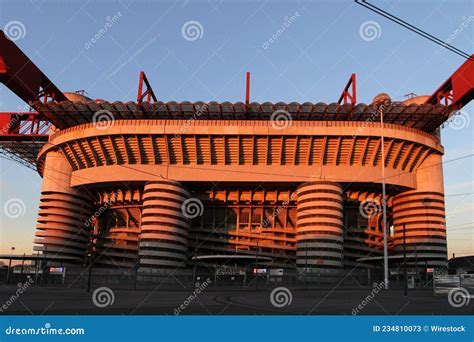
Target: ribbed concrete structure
319	227
241	220
118	220
422	212
164	231
272	196
62	229
275	185
363	233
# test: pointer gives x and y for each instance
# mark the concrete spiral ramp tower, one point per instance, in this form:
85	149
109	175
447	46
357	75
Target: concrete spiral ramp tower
319	237
62	230
164	230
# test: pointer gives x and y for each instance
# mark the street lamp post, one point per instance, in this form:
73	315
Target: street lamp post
22	266
36	268
306	263
91	257
405	259
256	265
380	102
9	265
136	267
89	278
43	266
195	261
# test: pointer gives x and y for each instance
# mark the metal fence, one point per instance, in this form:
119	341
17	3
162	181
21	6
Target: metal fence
80	277
442	284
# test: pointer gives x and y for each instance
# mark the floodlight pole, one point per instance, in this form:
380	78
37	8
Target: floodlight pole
384	203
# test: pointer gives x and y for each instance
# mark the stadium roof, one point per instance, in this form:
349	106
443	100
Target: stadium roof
65	114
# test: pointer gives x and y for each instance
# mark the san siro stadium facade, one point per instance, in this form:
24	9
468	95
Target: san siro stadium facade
285	186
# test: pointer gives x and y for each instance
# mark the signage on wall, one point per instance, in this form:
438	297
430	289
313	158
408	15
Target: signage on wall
259	271
57	270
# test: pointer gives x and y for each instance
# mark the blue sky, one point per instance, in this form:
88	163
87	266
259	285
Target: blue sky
310	61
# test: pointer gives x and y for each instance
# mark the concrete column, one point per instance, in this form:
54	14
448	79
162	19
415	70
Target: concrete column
62	230
164	229
422	211
319	226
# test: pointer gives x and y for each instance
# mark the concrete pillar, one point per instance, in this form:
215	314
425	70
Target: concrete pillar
422	211
164	228
319	226
62	229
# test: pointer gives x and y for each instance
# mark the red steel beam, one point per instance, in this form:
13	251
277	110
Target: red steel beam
352	96
247	89
149	93
19	74
22	76
23	127
458	89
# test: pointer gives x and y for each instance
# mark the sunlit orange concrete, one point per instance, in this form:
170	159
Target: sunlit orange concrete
291	195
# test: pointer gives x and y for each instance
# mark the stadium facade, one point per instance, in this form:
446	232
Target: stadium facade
159	186
295	185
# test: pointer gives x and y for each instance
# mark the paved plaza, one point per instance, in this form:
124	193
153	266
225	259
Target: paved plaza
217	301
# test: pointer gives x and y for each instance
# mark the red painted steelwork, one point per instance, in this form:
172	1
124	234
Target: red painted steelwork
22	76
149	93
458	89
23	127
247	89
348	95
